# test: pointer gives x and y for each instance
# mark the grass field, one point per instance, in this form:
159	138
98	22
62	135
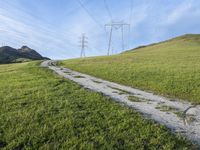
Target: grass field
170	68
39	110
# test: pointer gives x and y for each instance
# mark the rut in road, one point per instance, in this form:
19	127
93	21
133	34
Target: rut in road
179	116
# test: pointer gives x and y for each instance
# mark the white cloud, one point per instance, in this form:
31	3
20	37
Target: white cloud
179	12
31	31
59	39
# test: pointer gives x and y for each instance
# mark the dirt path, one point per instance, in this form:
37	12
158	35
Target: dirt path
181	117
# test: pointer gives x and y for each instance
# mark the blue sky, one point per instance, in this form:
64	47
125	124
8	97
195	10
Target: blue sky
53	27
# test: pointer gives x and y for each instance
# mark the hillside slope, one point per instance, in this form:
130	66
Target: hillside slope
188	40
39	110
11	55
170	68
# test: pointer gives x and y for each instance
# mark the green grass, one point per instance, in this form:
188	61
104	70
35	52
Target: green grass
166	108
170	68
39	110
137	99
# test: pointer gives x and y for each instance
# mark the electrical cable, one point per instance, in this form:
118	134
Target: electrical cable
91	16
108	10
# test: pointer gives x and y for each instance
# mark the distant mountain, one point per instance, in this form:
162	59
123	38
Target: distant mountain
11	55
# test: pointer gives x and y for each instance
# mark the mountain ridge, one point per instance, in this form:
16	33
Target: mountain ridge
23	54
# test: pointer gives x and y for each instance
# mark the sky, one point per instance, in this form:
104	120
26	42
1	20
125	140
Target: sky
54	27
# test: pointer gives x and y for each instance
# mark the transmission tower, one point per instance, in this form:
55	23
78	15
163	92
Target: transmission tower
3	44
83	45
116	25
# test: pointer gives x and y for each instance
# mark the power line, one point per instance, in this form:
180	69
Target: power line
108	10
91	16
131	11
131	16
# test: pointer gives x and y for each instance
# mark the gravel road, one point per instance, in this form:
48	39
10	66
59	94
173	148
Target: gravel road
179	116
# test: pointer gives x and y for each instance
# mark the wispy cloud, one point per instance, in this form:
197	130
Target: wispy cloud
178	13
29	30
54	30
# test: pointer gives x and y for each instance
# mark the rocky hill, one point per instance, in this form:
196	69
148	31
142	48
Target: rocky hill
12	55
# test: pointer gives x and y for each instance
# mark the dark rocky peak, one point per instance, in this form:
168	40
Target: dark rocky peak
25	49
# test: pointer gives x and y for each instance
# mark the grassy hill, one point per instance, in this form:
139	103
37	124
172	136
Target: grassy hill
24	54
170	68
39	110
